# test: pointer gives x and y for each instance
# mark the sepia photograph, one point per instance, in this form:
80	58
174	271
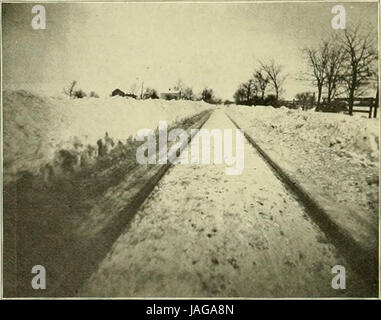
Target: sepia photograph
190	150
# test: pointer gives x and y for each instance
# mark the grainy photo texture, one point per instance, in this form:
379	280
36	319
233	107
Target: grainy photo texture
190	149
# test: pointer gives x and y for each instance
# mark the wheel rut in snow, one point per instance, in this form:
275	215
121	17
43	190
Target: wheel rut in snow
202	233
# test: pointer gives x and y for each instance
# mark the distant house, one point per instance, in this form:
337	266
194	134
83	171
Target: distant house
171	95
118	92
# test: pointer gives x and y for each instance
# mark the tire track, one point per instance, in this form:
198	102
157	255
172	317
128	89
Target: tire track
362	260
201	233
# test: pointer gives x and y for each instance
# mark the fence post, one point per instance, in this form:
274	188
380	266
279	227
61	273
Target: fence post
376	105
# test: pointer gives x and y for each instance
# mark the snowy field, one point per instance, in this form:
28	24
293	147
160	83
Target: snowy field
335	157
36	127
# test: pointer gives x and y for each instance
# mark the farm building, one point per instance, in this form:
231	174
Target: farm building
118	92
171	95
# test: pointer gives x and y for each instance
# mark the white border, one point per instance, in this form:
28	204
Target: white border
166	2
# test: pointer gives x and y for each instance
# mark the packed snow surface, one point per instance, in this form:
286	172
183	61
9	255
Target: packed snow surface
202	233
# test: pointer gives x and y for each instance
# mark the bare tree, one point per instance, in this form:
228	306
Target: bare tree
79	94
141	91
150	94
317	62
246	93
250	90
361	57
70	89
179	86
93	94
273	71
240	95
335	58
187	93
262	80
207	95
305	99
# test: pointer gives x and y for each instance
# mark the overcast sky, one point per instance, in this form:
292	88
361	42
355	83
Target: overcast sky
114	45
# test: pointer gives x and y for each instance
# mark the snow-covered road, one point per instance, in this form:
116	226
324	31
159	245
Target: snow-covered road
204	233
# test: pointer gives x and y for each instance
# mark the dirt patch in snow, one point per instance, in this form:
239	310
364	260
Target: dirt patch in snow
333	156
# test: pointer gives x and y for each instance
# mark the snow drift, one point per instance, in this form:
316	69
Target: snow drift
334	157
36	127
358	136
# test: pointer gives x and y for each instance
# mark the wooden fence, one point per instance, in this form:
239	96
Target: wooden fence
367	105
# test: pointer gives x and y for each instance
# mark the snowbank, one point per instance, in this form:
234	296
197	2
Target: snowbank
335	158
356	136
36	127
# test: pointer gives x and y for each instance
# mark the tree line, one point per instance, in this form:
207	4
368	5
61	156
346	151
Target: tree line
268	76
72	92
186	92
341	65
179	91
